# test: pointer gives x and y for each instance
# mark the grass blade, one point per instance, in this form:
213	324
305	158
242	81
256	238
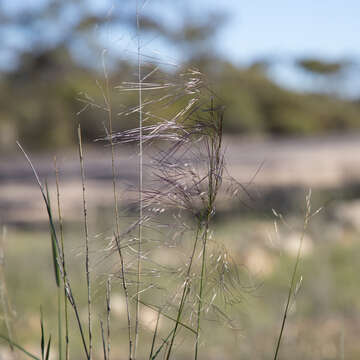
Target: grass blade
155	334
48	349
108	312
53	241
59	324
68	290
51	222
162	345
56	262
15	345
42	340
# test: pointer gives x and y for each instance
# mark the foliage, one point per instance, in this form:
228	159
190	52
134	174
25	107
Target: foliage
321	67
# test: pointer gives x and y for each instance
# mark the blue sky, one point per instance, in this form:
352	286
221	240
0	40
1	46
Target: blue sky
324	28
284	30
257	28
281	28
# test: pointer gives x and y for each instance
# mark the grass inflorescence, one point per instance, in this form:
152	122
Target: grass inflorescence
182	173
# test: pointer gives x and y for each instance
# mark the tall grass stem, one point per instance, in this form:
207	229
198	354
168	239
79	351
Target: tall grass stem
107	98
185	292
137	312
126	293
68	290
108	313
61	230
293	276
87	270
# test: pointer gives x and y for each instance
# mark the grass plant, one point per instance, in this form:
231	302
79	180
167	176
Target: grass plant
185	174
192	135
294	283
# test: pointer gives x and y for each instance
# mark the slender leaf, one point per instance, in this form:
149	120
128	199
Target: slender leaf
19	347
59	325
155	334
48	349
52	227
42	341
162	345
53	241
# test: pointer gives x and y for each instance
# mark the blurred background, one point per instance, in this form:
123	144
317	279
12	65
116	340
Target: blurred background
289	76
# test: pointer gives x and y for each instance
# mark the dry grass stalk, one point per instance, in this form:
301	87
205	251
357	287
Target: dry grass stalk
108	108
140	230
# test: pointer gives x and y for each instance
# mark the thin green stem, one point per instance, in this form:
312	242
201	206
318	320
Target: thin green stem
185	291
201	288
293	279
214	143
68	290
10	342
107	99
155	334
87	270
63	261
140	230
108	312
124	285
59	323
